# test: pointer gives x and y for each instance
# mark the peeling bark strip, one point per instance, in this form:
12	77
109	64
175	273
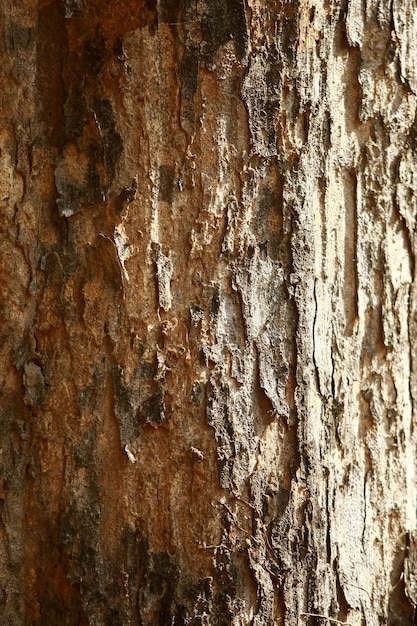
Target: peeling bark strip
208	382
164	270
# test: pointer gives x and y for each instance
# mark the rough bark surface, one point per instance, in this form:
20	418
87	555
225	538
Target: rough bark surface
208	305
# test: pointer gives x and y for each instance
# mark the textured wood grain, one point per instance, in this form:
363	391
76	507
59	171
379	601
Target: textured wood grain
208	327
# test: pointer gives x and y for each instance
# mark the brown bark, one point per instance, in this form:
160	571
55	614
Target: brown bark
208	305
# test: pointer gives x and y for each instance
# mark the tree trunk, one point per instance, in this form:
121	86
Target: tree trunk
208	381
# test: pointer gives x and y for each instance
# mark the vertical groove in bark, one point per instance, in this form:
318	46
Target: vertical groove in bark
208	312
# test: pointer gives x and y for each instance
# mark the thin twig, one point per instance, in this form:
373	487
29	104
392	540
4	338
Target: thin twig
329	619
398	582
345	582
233	516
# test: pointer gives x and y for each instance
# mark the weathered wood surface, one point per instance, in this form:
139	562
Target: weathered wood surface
208	312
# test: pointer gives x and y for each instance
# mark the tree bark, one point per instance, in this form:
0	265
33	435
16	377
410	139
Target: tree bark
209	313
